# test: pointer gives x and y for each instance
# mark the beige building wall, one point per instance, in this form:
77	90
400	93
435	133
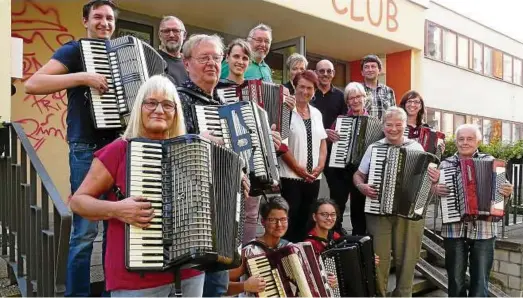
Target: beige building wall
5	61
44	26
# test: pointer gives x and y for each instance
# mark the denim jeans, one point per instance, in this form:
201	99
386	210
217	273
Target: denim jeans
161	291
216	283
84	231
193	287
480	255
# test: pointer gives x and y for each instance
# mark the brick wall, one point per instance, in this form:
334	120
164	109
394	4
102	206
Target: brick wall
507	269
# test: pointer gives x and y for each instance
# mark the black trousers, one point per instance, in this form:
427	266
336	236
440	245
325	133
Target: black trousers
300	196
341	185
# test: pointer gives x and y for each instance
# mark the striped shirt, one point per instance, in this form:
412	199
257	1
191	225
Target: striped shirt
474	230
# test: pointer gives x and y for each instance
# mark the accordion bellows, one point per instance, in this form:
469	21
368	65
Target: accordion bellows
194	187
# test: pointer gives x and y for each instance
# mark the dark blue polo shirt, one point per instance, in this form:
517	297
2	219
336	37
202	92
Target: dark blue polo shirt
80	125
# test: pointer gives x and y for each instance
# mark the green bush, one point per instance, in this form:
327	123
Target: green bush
496	148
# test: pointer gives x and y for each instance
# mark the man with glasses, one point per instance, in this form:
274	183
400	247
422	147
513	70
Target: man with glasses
260	39
172	34
380	97
275	219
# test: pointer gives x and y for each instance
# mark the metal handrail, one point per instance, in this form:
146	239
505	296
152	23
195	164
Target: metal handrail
36	251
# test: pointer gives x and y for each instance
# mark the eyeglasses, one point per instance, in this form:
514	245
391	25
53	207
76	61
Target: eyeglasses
273	221
206	59
167	106
326	215
352	98
324	71
261	40
167	31
414	102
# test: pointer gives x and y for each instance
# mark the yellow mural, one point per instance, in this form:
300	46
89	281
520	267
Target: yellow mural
44	26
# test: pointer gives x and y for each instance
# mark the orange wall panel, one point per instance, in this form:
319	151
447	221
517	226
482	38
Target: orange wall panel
399	72
355	71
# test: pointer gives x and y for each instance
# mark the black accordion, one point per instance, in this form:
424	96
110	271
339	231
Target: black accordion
401	179
290	271
270	96
194	187
351	260
430	139
244	129
356	135
474	190
126	62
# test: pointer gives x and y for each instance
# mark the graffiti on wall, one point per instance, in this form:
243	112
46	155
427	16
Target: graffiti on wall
40	27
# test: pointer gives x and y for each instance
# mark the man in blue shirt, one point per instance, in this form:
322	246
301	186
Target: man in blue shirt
260	38
65	71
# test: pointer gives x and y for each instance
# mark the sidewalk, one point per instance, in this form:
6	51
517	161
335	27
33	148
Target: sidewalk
6	288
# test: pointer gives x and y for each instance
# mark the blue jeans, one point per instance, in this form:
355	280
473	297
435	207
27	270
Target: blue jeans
161	291
193	287
84	231
480	255
216	283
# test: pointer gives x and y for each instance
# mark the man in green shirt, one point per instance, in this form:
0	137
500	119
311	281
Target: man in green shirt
260	38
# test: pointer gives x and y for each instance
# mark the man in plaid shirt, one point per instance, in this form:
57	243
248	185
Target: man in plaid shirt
468	241
379	96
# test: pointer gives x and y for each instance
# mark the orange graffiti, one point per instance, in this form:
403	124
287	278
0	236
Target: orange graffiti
43	32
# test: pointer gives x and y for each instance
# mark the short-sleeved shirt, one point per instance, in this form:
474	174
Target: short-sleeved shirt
80	125
365	161
255	71
175	68
117	277
298	141
330	104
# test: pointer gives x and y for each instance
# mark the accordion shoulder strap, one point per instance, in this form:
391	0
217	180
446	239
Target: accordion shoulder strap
192	93
117	192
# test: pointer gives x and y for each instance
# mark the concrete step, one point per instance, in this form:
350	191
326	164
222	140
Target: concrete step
420	284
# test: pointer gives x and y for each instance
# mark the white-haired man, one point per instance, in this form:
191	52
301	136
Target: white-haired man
260	39
468	241
172	35
393	233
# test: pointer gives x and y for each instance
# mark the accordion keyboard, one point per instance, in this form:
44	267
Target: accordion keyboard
273	284
106	106
340	148
146	245
449	205
375	177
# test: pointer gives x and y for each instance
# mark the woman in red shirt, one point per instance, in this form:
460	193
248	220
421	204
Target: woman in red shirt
324	215
157	115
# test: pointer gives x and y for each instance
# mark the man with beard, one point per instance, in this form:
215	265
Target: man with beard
65	71
172	34
260	38
379	96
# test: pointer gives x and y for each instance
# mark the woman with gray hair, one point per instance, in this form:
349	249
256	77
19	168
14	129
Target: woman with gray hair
156	115
401	235
341	185
296	63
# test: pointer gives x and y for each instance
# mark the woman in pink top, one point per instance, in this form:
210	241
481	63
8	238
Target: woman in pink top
157	115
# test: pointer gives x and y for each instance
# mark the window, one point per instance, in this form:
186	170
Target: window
433	49
433	119
517	132
449	47
448	124
517	71
463	51
474	120
487	61
505	132
507	68
458	120
486	131
497	64
477	57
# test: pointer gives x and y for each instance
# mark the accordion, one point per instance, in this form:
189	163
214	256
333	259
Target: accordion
351	260
194	187
244	129
356	135
291	271
267	95
473	185
401	179
431	140
127	63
